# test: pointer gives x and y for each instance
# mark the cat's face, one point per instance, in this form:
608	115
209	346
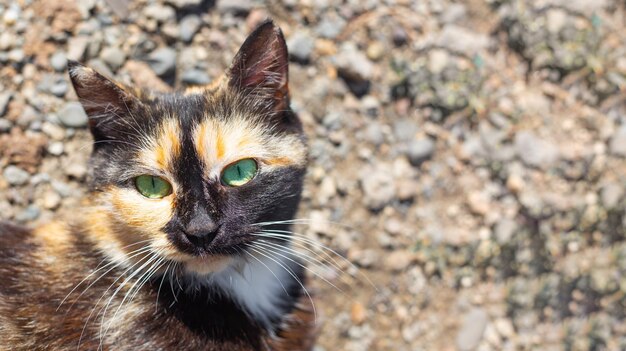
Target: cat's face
193	174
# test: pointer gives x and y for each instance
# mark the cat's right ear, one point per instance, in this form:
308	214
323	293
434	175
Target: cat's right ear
103	99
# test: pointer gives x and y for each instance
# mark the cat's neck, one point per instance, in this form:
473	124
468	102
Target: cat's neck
264	287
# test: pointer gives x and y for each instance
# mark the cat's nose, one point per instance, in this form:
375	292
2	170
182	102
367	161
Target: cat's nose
201	229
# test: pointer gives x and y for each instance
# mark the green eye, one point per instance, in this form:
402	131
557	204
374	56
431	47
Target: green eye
240	172
153	187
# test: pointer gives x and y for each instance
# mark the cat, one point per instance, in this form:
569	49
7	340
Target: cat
190	200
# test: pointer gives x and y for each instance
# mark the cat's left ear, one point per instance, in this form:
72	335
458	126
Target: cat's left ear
105	101
261	67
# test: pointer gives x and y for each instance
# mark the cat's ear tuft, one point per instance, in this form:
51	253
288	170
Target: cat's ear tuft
103	99
261	67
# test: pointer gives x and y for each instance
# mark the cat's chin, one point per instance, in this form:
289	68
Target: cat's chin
207	265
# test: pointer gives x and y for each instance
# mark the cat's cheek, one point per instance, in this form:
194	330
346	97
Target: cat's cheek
148	216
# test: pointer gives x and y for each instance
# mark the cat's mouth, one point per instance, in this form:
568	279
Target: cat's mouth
203	265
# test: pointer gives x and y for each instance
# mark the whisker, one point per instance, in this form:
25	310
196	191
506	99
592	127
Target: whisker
115	265
302	237
274	249
102	296
288	270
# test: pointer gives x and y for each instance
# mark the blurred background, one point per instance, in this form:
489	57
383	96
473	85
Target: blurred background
467	156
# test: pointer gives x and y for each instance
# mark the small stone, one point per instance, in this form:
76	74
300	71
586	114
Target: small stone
399	260
51	200
399	36
58	61
611	194
505	328
378	186
160	13
617	144
73	115
15	175
59	88
375	50
7	41
76	47
358	313
4	101
31	213
56	148
330	27
236	7
5	125
185	3
555	20
472	329
301	45
76	171
163	61
196	76
189	26
356	69
420	150
504	230
536	152
478	203
114	57
54	131
364	258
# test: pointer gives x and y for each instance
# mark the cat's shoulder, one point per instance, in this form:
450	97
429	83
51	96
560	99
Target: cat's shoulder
12	234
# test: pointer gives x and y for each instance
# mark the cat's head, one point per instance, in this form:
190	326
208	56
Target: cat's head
192	174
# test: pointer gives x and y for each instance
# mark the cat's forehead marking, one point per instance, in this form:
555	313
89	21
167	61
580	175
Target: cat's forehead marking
160	151
219	142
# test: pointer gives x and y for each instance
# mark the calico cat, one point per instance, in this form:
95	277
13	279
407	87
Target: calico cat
167	253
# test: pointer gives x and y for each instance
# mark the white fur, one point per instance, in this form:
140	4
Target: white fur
258	286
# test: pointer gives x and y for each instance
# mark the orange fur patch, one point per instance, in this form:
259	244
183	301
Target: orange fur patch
220	142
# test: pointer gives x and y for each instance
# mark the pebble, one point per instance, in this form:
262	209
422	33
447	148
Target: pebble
301	45
375	51
51	200
73	115
472	329
535	152
196	76
378	186
420	150
54	131
354	64
113	56
5	125
4	102
611	194
58	61
358	313
617	144
56	148
189	26
163	61
76	171
159	12
405	129
504	230
15	175
236	7
185	3
31	213
356	69
399	260
330	27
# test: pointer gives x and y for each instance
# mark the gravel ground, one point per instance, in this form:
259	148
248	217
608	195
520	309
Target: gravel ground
468	157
